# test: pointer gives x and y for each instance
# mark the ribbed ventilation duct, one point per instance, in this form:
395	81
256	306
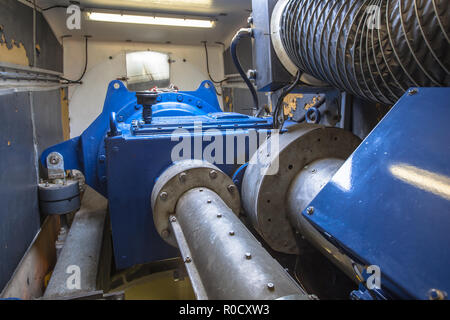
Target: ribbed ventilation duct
375	49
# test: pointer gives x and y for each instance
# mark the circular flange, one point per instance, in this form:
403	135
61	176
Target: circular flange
58	199
269	175
275	32
181	177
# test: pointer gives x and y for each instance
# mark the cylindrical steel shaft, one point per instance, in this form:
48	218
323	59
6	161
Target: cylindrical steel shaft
304	188
224	260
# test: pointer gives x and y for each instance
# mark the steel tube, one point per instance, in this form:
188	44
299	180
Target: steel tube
224	260
304	188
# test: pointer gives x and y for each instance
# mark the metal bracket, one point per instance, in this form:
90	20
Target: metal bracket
55	166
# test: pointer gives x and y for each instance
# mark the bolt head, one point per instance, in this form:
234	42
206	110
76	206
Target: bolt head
165	234
208	201
188	260
219	215
213	174
163	196
182	177
248	255
54	160
310	210
231	233
435	294
102	158
270	286
412	91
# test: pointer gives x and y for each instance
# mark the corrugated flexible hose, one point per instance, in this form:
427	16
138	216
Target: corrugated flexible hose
375	49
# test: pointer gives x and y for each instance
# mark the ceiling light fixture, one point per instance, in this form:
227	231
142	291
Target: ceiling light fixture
151	20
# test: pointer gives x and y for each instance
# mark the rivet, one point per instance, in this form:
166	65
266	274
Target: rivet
248	255
208	201
219	215
182	177
213	174
231	233
270	286
163	196
310	210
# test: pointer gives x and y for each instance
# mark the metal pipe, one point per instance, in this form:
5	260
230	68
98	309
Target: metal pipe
304	188
77	267
224	260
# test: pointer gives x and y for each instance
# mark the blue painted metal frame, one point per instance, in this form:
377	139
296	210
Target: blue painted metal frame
85	153
389	205
124	166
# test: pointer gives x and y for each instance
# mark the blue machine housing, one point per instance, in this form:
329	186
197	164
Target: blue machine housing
389	204
122	158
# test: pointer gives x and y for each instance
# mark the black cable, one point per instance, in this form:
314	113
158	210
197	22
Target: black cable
209	73
54	7
234	43
78	81
207	66
285	92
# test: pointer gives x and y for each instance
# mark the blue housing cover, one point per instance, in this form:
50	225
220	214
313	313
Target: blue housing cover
389	205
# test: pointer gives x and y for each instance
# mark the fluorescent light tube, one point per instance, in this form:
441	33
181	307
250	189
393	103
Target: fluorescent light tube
152	20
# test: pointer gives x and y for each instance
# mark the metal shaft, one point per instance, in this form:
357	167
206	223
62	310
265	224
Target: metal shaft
304	188
224	260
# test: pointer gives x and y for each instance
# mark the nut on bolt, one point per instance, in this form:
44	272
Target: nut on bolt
173	219
310	210
270	286
248	255
188	259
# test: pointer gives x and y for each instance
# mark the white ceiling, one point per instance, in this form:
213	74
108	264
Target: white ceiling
230	15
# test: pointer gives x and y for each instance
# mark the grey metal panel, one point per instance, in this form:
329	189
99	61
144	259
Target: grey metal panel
270	74
47	118
16	20
50	55
19	213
